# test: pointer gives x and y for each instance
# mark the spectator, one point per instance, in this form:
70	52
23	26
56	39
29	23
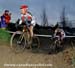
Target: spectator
2	22
7	16
5	19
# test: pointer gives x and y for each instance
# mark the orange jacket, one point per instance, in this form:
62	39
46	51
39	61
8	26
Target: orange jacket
7	18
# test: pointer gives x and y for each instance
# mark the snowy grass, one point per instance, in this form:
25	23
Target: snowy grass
4	36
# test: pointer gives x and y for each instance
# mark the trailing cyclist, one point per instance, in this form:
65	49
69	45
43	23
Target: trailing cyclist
60	34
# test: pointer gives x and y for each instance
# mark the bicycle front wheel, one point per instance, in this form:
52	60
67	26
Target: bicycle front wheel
17	42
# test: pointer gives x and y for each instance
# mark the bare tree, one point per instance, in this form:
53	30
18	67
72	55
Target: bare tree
63	18
44	18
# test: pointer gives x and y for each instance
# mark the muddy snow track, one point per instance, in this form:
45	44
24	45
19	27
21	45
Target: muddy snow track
28	57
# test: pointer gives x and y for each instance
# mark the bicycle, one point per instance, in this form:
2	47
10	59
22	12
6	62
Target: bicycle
55	44
21	39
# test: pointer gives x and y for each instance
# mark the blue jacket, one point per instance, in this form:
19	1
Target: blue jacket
3	23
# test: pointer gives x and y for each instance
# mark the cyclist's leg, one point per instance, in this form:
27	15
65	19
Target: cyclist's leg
29	36
62	41
31	30
55	40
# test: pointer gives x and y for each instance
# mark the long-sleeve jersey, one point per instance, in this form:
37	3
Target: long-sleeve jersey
28	18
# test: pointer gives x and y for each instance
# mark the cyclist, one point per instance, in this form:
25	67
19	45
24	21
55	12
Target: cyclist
27	18
60	33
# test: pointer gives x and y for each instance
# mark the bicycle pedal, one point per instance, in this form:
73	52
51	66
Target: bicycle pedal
28	47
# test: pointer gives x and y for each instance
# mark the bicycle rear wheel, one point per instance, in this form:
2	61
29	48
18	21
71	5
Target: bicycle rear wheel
35	42
72	43
17	42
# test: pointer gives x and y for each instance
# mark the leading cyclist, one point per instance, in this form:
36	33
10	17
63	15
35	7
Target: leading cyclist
27	18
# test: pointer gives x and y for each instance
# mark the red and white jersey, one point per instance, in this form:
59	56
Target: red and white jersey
28	17
61	32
